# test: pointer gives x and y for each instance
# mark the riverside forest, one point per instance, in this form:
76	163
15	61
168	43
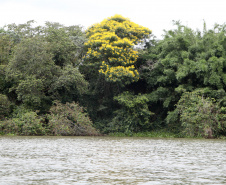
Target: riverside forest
115	77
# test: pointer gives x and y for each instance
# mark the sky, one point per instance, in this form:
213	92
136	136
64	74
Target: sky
157	15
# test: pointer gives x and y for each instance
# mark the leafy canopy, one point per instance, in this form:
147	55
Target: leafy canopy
183	61
43	67
111	48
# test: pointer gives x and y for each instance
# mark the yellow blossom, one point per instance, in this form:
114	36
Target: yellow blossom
112	42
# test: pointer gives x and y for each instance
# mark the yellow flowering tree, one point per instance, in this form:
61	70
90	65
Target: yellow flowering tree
110	48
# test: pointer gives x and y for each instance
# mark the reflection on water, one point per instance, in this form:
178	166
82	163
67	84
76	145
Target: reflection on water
108	160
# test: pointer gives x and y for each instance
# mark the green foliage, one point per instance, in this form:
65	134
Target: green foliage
27	123
183	61
30	91
177	84
133	116
70	119
65	43
4	106
173	121
26	30
6	45
37	66
109	64
31	71
36	75
31	58
3	83
201	116
69	85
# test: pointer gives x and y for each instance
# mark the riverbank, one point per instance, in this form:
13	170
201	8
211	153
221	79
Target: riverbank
158	134
151	134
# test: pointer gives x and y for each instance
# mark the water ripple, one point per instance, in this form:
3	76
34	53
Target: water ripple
108	160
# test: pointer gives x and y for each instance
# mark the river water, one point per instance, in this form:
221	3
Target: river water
110	160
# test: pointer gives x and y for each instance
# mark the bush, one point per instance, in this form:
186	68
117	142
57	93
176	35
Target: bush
27	124
70	119
201	116
133	116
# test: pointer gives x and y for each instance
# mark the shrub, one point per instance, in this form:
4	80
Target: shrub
70	119
201	116
27	124
133	116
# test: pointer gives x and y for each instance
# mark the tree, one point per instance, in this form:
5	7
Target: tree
36	78
65	43
69	85
31	71
109	64
6	45
185	60
110	48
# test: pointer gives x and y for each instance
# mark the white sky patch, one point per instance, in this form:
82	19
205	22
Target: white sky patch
154	14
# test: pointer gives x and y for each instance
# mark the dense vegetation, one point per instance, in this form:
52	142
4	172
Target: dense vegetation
113	78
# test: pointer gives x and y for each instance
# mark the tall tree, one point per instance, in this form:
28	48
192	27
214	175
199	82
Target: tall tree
110	48
109	63
185	61
44	64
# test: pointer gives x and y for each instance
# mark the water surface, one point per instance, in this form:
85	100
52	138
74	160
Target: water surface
109	160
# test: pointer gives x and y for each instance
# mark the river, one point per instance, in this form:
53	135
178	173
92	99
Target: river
110	160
